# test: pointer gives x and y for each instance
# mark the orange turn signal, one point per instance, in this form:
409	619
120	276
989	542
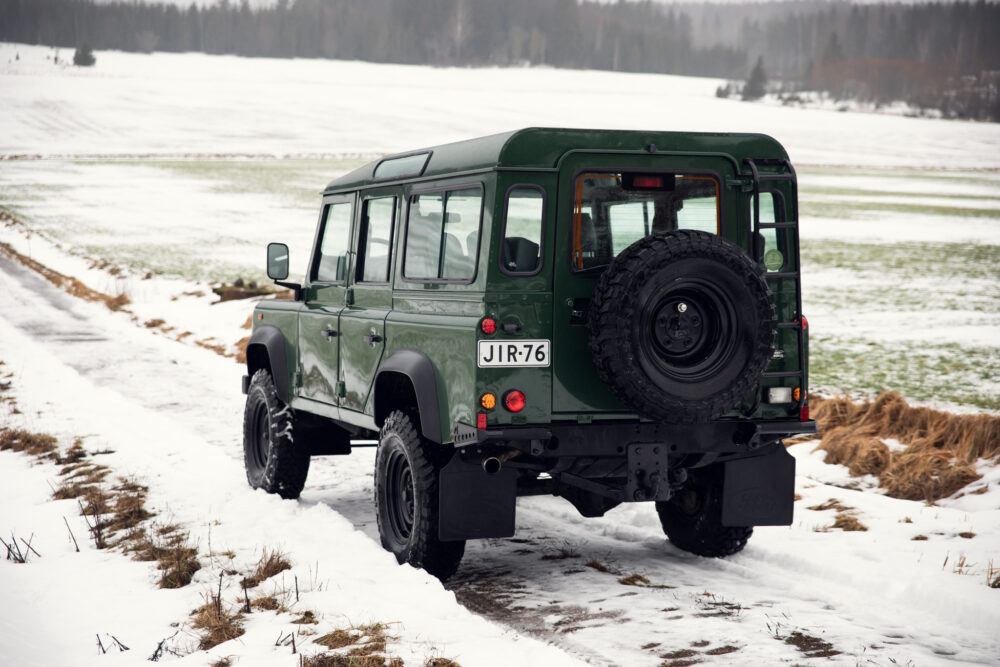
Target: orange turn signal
488	401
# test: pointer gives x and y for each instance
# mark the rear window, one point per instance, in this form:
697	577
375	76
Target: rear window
613	210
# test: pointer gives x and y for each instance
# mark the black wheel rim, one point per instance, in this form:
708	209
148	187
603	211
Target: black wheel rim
688	332
399	495
259	435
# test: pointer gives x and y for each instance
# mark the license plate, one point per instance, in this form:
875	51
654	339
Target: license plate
513	353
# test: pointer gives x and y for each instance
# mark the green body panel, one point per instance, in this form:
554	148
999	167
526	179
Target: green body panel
442	319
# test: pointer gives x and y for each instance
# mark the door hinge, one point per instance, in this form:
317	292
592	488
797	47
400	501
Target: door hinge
297	379
741	183
341	389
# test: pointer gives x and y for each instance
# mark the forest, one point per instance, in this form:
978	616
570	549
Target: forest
942	56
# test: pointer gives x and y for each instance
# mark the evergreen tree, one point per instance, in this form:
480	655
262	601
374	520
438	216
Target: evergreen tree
757	83
84	57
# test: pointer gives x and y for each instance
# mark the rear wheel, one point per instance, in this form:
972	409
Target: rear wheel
272	460
692	519
406	499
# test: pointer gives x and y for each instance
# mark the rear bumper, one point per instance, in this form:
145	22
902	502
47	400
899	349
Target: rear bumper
611	438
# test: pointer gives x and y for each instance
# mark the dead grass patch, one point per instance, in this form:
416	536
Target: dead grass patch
154	323
562	554
919	538
66	283
831	504
722	650
266	603
217	624
241	349
941	452
271	562
366	647
25	442
440	662
848	522
597	565
812	647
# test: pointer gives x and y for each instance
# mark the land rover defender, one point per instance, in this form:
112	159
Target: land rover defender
604	316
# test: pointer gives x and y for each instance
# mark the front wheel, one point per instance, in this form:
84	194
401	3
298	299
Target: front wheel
692	519
406	499
272	460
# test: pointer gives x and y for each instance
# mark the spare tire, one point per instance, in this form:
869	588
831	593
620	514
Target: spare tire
682	325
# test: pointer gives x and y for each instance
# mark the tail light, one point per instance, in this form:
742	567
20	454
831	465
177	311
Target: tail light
804	413
514	401
488	325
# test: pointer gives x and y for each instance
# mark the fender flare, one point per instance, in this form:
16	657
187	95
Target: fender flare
266	349
419	369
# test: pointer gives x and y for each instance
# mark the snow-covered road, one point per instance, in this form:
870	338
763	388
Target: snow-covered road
172	414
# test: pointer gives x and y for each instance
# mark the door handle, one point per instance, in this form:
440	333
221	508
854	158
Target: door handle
330	332
372	338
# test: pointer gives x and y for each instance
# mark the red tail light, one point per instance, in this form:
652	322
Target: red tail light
481	421
514	401
805	323
804	413
488	325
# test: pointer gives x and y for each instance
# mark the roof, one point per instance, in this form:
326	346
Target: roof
542	148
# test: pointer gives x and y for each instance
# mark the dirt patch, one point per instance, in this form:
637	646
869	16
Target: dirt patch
942	448
812	647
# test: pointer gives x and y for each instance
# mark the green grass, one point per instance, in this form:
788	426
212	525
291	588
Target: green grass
923	372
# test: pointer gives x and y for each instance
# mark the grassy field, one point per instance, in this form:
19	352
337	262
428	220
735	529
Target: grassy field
902	280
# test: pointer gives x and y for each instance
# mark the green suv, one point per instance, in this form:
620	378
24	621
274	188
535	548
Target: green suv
605	316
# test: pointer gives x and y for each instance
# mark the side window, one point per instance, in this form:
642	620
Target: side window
442	235
376	240
771	210
331	261
521	251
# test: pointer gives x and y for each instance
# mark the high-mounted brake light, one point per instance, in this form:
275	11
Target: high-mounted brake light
488	325
648	182
514	401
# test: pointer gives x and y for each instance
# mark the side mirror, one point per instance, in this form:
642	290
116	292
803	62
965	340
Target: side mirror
277	261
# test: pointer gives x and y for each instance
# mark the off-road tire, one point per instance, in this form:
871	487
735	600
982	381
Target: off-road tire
682	326
692	519
406	499
272	460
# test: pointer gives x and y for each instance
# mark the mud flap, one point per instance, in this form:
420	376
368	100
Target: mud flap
474	504
759	491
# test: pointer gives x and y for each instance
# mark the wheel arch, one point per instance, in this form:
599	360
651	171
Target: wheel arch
408	376
267	350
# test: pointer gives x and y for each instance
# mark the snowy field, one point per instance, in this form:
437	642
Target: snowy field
159	175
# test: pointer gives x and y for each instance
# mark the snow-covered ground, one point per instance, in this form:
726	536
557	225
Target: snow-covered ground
171	411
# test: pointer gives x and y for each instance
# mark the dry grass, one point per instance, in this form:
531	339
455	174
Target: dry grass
562	554
440	662
831	504
366	648
217	624
940	456
19	440
597	565
271	562
67	283
848	522
241	349
266	603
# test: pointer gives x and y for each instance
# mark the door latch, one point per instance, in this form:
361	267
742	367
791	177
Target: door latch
372	338
329	332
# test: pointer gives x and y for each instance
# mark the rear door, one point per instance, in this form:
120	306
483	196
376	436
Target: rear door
606	203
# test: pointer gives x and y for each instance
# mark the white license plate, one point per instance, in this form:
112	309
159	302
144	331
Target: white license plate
513	353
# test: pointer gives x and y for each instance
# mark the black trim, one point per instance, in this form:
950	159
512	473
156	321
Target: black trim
437	187
418	367
541	239
270	338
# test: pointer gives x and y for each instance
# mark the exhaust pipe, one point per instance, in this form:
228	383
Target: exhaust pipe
492	465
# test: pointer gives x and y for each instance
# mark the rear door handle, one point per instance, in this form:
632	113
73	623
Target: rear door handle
372	338
330	332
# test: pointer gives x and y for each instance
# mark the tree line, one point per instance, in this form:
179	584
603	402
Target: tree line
942	55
